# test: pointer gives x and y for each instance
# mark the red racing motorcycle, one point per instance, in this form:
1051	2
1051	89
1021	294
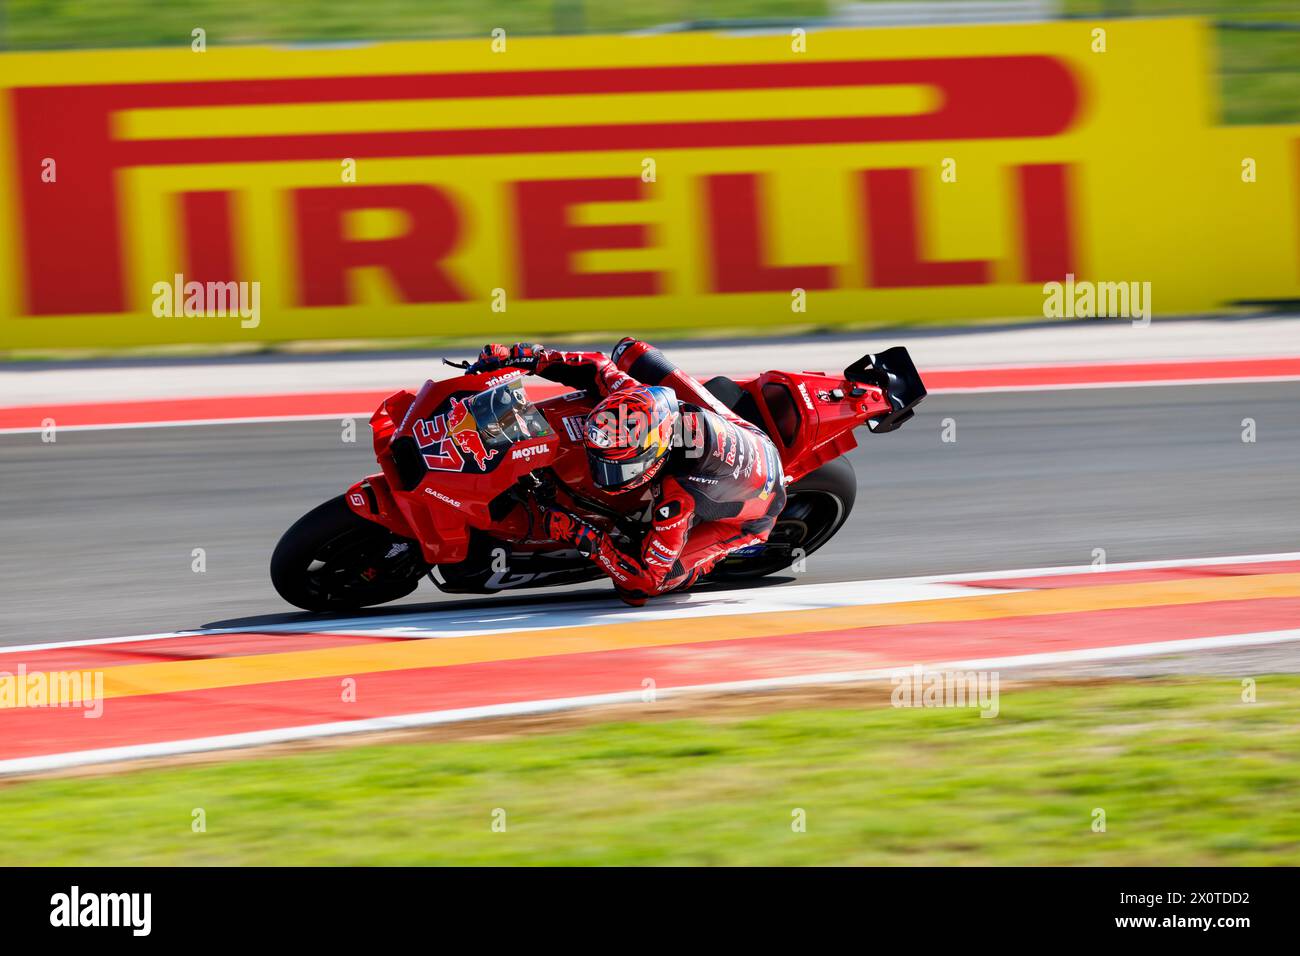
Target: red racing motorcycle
467	462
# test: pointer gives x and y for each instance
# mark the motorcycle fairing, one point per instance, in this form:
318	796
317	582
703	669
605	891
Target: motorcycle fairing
811	417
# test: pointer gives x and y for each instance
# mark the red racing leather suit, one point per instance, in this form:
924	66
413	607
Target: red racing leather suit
721	491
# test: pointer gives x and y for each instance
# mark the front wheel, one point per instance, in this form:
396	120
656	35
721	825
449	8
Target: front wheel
332	559
816	507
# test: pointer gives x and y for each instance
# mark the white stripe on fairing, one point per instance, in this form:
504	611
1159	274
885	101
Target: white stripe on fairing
433	718
468	622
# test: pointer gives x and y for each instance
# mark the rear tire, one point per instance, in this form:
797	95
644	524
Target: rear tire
332	559
816	507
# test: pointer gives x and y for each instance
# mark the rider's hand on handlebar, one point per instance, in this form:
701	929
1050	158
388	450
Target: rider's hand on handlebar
521	355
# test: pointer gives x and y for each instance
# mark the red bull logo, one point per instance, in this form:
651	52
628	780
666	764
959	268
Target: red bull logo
464	432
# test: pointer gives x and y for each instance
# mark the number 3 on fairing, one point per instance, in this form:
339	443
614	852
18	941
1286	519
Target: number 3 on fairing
433	434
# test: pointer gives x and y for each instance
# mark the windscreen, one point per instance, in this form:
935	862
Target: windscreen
504	415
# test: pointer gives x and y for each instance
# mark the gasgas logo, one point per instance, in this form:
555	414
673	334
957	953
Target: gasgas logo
75	253
441	497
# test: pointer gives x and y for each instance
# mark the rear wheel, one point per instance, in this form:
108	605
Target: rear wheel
816	507
332	559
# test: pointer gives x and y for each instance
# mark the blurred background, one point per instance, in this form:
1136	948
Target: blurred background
181	433
1258	40
1139	180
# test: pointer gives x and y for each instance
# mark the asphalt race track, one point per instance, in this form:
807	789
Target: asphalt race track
100	526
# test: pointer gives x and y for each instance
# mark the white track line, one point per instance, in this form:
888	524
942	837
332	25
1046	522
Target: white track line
433	718
1082	386
1114	362
492	619
954	390
260	420
1125	566
472	621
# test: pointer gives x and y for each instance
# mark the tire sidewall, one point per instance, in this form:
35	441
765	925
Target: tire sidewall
298	546
836	477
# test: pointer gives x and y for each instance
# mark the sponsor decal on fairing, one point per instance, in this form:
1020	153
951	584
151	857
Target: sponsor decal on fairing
441	497
530	451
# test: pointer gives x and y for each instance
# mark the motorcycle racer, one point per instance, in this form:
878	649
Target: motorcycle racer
715	479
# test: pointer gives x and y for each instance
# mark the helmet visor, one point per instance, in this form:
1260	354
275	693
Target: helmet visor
617	474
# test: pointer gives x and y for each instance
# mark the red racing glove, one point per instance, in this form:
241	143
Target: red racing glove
519	355
561	526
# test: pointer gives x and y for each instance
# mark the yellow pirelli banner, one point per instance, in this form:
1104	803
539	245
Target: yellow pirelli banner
634	183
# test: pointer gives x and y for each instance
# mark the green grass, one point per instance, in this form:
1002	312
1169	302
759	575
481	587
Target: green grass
39	24
1249	97
1186	773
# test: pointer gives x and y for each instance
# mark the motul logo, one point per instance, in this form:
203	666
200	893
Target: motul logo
527	453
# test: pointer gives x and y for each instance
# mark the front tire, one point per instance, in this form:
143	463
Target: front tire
816	507
332	559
